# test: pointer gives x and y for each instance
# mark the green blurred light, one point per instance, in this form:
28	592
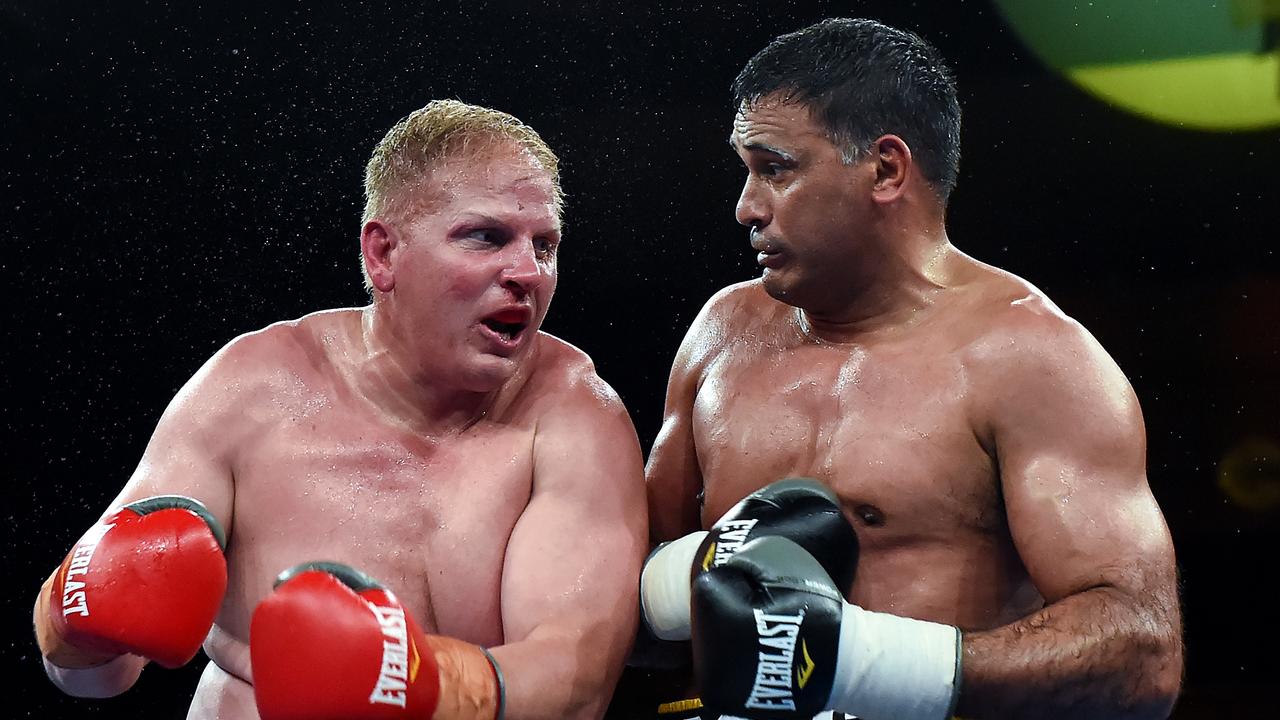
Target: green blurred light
1203	65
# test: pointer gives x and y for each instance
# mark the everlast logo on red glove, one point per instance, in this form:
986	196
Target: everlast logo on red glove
74	600
332	642
115	591
400	659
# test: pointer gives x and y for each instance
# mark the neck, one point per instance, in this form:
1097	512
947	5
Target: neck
900	281
387	373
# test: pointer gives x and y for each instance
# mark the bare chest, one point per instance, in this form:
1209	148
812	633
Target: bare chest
428	518
889	430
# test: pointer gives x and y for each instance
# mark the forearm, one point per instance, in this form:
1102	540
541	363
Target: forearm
1099	653
558	677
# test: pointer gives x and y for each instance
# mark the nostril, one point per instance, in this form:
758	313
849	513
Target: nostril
516	287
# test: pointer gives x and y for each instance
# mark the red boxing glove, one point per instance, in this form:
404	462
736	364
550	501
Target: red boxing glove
332	643
147	580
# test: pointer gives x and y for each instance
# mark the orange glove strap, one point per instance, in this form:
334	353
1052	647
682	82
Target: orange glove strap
471	686
53	645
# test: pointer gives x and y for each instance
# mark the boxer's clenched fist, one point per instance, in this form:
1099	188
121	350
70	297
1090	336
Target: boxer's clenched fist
148	580
802	510
766	632
773	638
331	642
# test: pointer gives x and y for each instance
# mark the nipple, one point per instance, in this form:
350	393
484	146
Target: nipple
870	514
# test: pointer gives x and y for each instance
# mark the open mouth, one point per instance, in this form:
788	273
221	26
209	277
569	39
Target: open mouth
509	325
508	331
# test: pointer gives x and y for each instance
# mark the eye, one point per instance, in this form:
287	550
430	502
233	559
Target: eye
545	245
772	169
489	236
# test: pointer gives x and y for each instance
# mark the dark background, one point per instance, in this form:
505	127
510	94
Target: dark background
176	175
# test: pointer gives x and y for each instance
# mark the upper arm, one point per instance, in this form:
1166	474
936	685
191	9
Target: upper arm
190	451
1072	454
572	564
673	476
186	455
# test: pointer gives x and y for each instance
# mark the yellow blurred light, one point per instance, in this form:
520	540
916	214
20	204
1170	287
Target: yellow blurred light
1228	92
1249	474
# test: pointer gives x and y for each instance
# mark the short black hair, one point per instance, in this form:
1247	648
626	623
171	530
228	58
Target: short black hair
863	79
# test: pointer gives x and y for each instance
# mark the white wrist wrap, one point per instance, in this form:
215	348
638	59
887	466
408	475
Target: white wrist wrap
664	587
895	667
104	681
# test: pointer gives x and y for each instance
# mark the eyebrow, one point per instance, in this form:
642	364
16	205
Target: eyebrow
761	147
484	218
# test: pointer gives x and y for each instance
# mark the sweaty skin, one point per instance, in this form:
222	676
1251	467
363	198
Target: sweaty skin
989	452
495	487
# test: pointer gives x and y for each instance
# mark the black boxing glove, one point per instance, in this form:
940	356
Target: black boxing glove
766	632
773	638
802	510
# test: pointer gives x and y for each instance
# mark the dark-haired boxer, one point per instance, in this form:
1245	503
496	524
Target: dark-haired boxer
989	451
457	497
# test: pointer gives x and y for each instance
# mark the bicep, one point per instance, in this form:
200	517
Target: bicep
1072	455
673	477
572	562
188	453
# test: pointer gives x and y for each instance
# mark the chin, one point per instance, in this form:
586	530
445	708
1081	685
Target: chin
490	373
778	288
791	291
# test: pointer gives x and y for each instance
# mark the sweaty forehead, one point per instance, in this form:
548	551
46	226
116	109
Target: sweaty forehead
773	125
504	175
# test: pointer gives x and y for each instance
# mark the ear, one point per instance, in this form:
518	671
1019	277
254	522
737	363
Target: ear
894	167
377	241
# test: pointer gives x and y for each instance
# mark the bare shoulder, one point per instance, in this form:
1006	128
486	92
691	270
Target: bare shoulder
285	340
1022	348
742	310
584	434
226	406
565	378
277	357
748	294
735	308
1014	324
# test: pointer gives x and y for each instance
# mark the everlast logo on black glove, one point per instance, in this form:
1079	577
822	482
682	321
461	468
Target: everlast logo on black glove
802	510
730	535
766	632
777	636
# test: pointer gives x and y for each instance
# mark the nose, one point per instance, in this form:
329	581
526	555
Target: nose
753	206
523	271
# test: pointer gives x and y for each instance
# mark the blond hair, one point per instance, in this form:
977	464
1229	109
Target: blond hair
417	144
